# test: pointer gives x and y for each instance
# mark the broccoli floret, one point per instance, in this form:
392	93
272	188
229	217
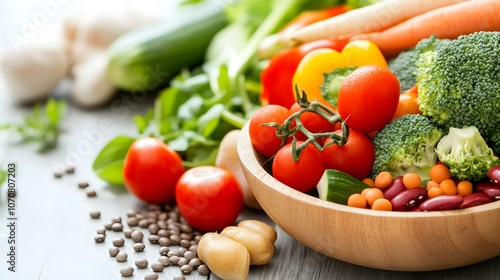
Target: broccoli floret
404	65
466	153
459	85
494	141
405	145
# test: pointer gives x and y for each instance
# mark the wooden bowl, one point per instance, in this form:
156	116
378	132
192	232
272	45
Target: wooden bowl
400	241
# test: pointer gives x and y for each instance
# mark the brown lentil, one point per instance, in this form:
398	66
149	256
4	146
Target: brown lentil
162	225
131	213
203	269
57	175
127	271
193	247
175	239
186	269
108	226
164	241
185	243
143	223
195	262
154	207
95	214
138	247
141	263
83	185
190	255
132	221
186	228
70	170
174	260
182	261
113	251
128	232
179	277
164	250
117	227
100	238
118	242
186	236
172	254
151	276
164	260
153	228
137	236
101	231
154	239
91	193
121	257
181	251
116	219
157	266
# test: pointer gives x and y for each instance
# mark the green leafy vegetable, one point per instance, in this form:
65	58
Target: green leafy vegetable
109	163
333	80
41	127
3	176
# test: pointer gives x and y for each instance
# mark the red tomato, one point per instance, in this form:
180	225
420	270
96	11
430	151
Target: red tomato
264	138
151	170
355	158
368	98
313	122
209	197
303	174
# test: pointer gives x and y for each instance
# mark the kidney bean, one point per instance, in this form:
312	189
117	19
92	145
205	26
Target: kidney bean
442	202
480	186
494	175
493	192
475	199
394	188
408	198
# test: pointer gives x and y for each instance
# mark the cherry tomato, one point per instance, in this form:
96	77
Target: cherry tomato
303	174
263	138
313	122
368	98
408	103
151	170
209	197
355	158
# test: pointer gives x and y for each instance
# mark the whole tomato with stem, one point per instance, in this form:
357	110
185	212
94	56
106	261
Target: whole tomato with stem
368	98
209	197
151	170
263	138
313	122
355	157
303	174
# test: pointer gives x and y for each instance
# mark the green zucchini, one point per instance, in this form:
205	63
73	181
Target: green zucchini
336	186
148	58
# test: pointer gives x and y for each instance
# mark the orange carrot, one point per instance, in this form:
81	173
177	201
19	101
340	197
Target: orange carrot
447	23
375	17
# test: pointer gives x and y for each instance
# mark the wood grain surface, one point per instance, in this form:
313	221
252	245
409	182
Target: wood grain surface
55	234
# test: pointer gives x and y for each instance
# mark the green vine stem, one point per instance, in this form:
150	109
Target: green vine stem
293	125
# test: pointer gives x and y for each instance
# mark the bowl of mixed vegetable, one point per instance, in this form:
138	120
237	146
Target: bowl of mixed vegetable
373	181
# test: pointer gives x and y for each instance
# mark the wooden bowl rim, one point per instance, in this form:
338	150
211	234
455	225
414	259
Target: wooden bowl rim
248	157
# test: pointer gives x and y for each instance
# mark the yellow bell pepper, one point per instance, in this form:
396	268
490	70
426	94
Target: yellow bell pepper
309	73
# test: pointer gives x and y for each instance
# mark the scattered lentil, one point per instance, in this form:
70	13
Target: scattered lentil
113	251
131	213
95	214
99	238
91	193
128	232
116	219
196	262
174	260
157	266
118	242
83	185
185	243
175	239
172	254
164	260
181	251
137	236
132	221
138	247
190	255
203	269
164	250
141	263
117	227
108	226
70	170
164	241
151	276
121	257
143	223
193	247
127	271
186	269
101	231
154	238
153	228
57	174
182	261
179	277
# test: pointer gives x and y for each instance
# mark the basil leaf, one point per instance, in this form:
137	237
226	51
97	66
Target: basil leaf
108	164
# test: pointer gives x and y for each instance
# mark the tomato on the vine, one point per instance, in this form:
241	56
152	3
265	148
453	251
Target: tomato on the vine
151	170
263	138
303	174
313	122
368	98
209	197
355	157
